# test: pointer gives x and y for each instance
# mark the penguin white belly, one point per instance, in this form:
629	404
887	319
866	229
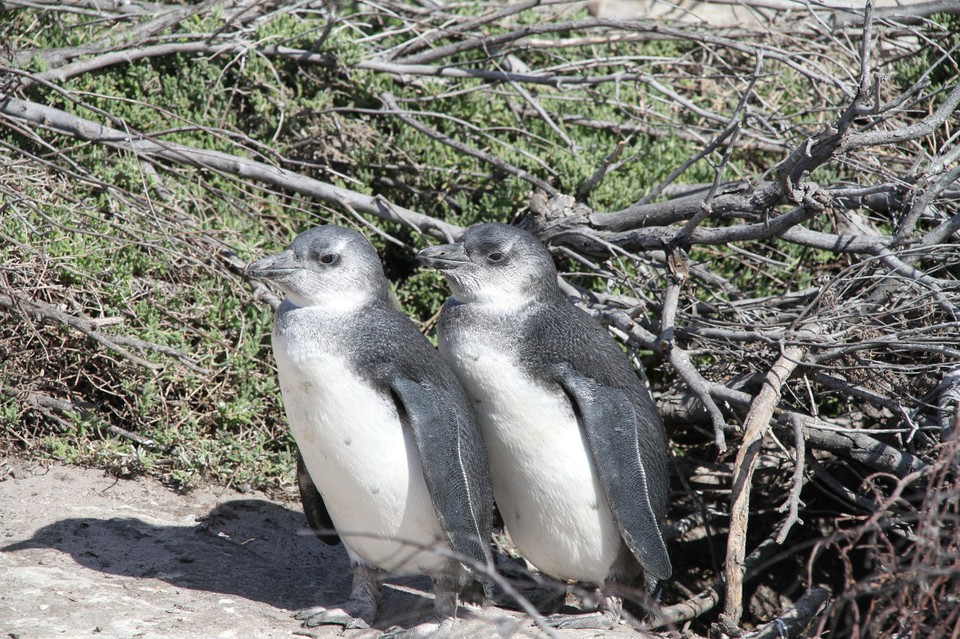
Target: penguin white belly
544	480
362	460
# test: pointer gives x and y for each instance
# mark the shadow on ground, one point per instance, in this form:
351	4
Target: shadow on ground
79	548
251	548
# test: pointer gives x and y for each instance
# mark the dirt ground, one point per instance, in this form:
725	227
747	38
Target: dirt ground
83	554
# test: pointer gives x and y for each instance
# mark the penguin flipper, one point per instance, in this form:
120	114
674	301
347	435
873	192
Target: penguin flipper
437	420
610	423
313	506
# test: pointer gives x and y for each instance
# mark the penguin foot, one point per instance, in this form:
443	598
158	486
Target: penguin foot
359	611
586	621
351	615
432	629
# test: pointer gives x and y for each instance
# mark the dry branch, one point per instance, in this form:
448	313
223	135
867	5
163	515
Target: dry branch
642	226
797	481
755	426
820	434
905	15
88	328
128	56
163	16
241	167
48	404
861	447
710	597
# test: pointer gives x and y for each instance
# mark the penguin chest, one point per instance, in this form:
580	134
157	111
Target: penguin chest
544	478
361	458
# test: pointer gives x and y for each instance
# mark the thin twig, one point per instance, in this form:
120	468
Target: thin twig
796	483
391	103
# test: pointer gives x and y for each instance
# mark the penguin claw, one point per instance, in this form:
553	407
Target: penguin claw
342	616
433	629
586	621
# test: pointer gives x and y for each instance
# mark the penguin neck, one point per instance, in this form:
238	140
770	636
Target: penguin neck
506	296
339	302
498	305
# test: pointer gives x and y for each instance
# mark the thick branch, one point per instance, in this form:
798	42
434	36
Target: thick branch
859	446
921	129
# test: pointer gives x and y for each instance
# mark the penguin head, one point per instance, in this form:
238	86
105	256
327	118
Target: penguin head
328	266
494	263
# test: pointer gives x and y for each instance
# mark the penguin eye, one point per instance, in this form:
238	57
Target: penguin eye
329	258
496	256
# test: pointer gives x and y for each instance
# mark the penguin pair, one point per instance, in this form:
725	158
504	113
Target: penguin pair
403	449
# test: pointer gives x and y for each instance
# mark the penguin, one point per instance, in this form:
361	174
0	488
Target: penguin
577	449
390	459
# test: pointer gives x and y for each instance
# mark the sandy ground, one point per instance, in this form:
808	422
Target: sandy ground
83	554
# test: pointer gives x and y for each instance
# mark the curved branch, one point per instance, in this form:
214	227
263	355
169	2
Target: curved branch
922	128
128	56
792	622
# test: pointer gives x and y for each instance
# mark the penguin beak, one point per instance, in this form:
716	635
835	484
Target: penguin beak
443	257
273	266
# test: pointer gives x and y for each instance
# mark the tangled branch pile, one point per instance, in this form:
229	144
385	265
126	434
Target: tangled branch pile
766	216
